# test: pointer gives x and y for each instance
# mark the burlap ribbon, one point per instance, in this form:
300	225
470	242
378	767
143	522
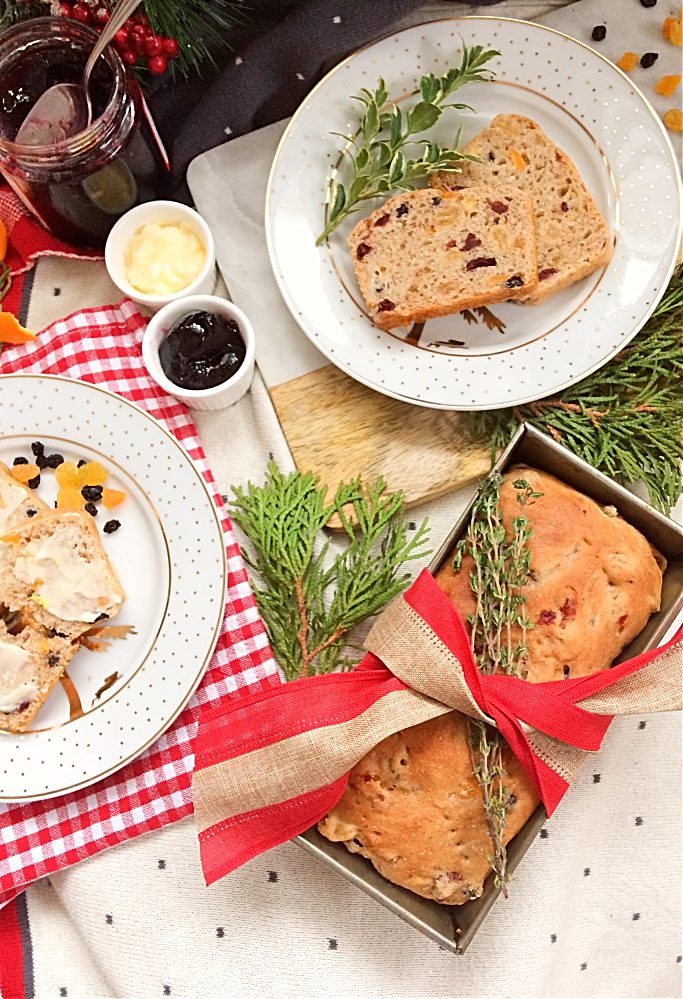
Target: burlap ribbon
272	764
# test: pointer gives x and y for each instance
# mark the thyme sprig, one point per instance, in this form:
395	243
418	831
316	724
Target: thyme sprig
625	419
381	154
502	564
309	602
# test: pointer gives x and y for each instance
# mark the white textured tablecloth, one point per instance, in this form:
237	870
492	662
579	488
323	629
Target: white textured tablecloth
594	909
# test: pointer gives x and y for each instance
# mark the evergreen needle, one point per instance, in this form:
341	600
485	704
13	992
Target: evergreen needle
625	419
309	606
382	154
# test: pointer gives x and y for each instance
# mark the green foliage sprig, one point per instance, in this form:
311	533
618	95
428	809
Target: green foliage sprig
501	567
309	603
625	419
379	154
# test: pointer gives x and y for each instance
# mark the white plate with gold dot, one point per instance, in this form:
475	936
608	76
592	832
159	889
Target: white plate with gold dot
169	554
509	354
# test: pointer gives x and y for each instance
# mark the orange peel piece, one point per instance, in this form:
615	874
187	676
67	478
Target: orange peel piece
24	473
673	119
628	61
666	85
518	161
11	330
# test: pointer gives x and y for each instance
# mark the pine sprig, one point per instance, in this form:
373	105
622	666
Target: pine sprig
308	602
501	568
381	154
625	419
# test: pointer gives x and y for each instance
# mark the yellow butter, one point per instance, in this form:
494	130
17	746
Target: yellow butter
161	259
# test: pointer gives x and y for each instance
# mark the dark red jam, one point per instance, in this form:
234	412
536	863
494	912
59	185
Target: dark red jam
202	351
79	187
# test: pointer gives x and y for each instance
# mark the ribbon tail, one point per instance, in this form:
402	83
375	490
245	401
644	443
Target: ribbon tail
550	787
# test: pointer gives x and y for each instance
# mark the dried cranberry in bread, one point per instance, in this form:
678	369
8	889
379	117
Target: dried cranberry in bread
572	238
412	806
424	254
31	663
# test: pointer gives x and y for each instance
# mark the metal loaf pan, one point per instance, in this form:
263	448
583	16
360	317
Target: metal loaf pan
454	927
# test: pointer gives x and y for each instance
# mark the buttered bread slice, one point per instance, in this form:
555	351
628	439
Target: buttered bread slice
572	237
54	570
31	663
425	253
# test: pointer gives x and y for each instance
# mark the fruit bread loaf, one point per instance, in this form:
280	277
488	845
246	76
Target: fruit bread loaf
412	805
424	254
572	238
54	570
17	501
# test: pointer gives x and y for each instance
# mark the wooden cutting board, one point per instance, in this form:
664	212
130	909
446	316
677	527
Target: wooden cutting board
334	426
340	429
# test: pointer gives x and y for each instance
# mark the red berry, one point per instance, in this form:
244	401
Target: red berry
153	47
170	47
122	39
130	58
157	65
81	13
65	9
138	31
137	44
102	15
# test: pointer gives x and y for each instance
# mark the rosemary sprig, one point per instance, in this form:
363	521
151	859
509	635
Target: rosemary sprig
310	602
380	152
501	568
625	419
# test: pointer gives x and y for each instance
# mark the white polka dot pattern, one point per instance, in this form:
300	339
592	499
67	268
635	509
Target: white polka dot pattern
592	111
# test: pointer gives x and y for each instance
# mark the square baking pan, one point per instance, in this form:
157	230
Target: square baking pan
454	927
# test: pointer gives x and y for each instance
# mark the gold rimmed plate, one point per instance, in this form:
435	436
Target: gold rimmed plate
508	354
169	553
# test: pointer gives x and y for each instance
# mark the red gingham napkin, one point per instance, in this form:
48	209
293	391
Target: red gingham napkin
103	346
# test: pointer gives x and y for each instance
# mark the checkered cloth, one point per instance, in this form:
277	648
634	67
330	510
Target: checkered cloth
103	346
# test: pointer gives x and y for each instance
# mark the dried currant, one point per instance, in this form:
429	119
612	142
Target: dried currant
514	282
451	244
546	273
386	306
499	207
362	250
568	609
473	265
37	448
436	200
470	242
402	210
20	461
598	33
546	617
649	59
54	460
53	659
564	206
382	220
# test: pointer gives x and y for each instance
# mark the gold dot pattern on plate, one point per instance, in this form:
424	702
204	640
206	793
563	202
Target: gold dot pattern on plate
587	107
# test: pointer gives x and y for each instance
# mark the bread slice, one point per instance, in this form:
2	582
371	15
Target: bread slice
17	501
572	237
31	663
55	570
424	254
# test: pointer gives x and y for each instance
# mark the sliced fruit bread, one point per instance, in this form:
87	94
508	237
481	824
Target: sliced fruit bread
31	663
424	254
54	569
572	237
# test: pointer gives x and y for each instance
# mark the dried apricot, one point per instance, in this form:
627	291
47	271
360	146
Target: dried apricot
628	61
666	27
676	32
92	474
112	498
67	474
69	498
673	119
666	85
518	161
25	472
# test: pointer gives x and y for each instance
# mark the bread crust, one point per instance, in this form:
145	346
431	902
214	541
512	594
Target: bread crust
412	805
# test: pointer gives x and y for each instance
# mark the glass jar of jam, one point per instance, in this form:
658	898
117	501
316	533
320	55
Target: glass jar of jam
77	187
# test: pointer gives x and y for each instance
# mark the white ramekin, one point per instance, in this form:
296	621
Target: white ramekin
160	212
160	325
